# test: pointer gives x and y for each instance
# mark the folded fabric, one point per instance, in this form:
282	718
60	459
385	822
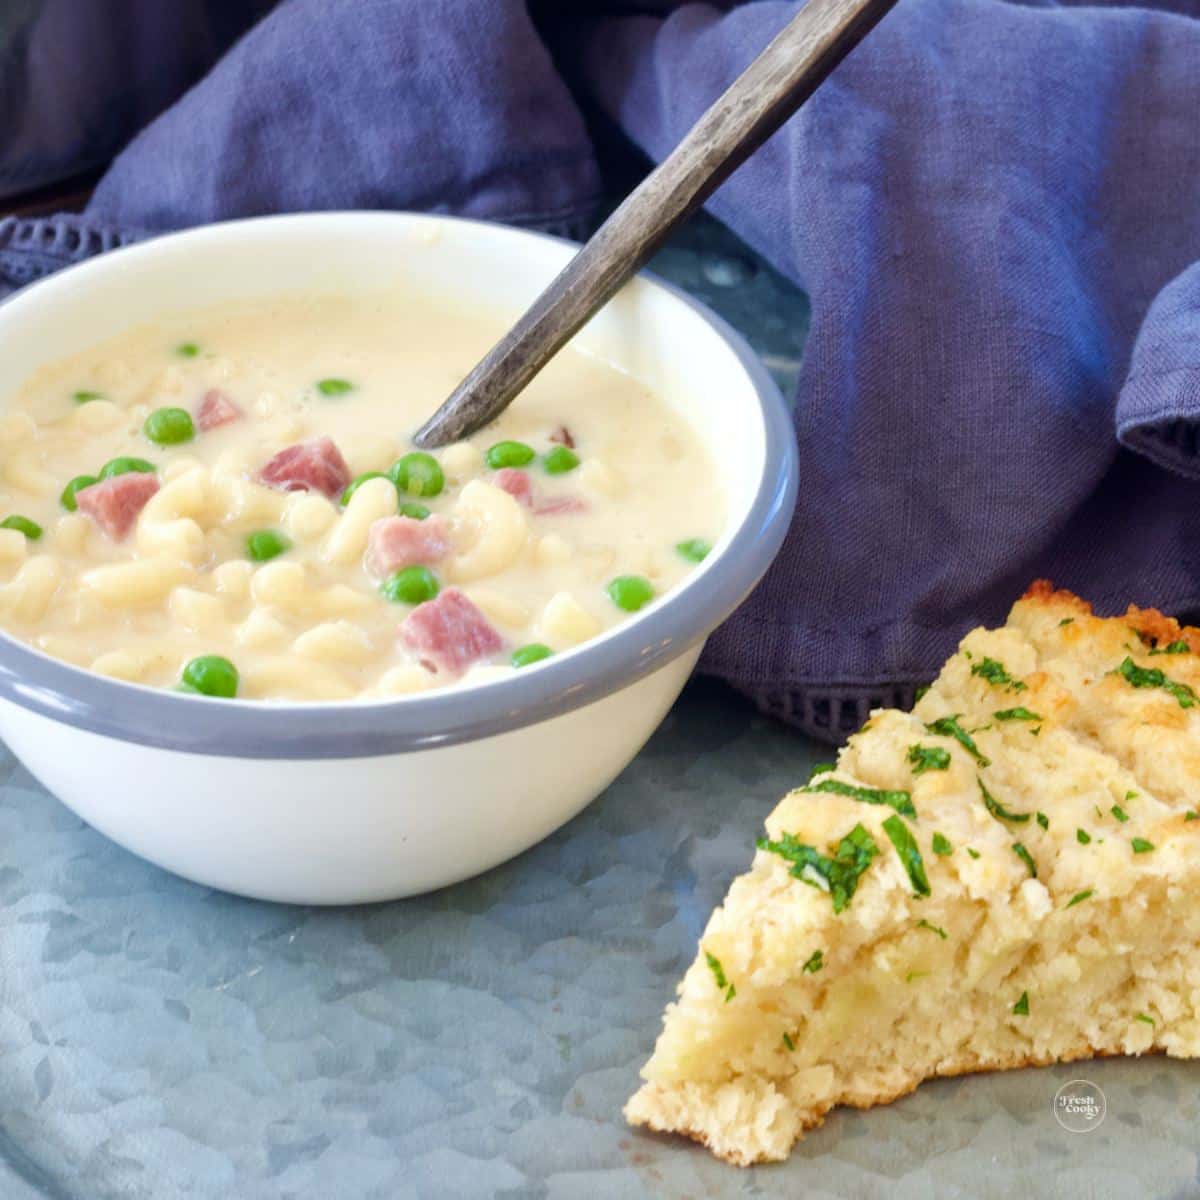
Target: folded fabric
77	81
983	203
995	208
378	104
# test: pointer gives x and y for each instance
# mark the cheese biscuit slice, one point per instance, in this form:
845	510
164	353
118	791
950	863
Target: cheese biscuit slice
1007	876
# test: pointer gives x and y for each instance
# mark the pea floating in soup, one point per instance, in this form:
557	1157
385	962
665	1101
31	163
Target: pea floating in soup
230	505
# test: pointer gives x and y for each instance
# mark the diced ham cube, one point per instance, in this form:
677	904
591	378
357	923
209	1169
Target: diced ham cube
562	435
516	483
520	487
114	503
216	409
449	632
313	466
395	542
560	506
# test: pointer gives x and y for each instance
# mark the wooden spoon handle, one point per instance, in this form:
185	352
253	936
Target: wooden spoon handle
754	106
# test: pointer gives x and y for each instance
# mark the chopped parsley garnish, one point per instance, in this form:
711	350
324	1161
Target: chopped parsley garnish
1017	714
906	846
1191	815
1021	1008
1152	677
996	673
816	960
928	758
1141	846
915	975
787	1041
921	692
972	853
1145	1018
1079	898
838	875
996	808
900	801
1025	857
1082	836
941	845
1042	820
1066	621
821	769
1179	647
1120	813
718	971
1131	795
949	727
924	924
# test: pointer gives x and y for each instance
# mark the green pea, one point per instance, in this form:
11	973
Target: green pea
67	497
694	549
169	426
509	454
560	460
630	592
417	474
523	656
212	675
86	397
124	465
410	585
265	544
31	529
187	349
355	484
418	512
334	387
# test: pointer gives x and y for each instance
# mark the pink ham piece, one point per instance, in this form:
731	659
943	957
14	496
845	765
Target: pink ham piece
395	542
520	487
560	506
114	503
216	409
516	483
313	466
449	632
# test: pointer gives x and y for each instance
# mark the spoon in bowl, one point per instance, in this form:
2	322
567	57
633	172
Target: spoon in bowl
753	107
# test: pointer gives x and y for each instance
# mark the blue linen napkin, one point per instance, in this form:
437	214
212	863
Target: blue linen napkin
995	208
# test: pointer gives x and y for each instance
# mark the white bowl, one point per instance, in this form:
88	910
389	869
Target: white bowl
350	802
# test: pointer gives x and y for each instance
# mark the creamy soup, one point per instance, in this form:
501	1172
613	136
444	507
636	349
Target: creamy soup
229	504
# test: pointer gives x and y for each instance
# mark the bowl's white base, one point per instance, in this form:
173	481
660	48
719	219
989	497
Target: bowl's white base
349	830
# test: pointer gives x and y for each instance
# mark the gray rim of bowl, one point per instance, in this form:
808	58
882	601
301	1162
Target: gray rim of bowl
355	729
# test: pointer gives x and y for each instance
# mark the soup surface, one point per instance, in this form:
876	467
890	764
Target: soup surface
230	503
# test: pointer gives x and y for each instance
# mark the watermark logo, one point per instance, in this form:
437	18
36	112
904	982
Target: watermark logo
1079	1106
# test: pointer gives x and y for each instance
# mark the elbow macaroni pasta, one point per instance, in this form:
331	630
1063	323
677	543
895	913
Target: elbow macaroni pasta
493	526
218	563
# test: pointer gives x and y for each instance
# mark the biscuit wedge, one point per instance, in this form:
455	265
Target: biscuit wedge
1007	876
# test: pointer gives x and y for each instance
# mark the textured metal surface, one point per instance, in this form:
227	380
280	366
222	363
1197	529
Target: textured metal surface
158	1040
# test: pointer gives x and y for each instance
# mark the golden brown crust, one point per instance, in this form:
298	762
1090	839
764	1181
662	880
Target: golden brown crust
1156	627
1044	592
1162	630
